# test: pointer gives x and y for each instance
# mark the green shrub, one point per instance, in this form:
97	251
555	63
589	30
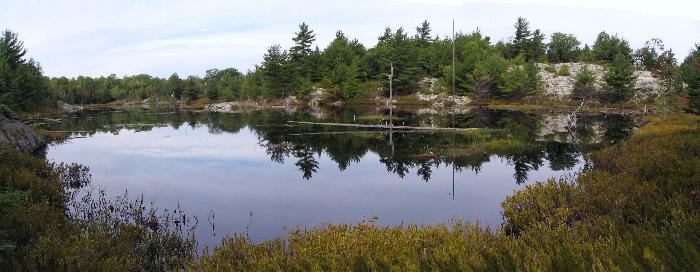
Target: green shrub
564	70
6	111
584	84
551	69
39	232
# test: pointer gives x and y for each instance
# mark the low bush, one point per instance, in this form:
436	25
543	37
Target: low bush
45	228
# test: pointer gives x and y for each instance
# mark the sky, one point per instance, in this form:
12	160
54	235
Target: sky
160	37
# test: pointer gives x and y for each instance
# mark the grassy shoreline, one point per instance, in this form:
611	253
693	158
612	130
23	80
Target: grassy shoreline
636	209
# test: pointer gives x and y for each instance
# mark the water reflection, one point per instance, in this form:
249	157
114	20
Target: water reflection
285	174
525	141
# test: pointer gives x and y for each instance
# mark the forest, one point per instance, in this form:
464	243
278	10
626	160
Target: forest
346	69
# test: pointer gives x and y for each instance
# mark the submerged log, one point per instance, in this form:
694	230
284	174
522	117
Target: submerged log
382	126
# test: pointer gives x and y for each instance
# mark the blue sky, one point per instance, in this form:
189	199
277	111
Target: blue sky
159	37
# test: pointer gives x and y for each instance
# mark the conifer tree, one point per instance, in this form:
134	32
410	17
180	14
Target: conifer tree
619	80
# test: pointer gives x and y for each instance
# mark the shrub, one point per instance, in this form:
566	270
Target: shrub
551	69
564	70
38	232
6	111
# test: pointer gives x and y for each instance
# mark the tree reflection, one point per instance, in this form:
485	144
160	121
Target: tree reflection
512	135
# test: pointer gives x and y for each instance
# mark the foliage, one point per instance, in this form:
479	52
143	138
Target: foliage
22	83
46	228
584	84
346	68
690	74
529	43
619	80
479	69
564	70
522	80
6	111
398	50
645	57
563	48
607	47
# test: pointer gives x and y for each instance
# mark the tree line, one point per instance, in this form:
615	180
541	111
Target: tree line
346	69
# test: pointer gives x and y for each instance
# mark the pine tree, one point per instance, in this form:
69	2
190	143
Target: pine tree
299	54
584	84
526	42
619	80
607	47
690	73
423	34
174	86
22	83
276	71
563	48
521	38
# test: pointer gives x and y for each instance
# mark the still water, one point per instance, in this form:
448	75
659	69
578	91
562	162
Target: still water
257	173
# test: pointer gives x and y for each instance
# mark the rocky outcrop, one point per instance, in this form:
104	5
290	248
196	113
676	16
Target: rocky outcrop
560	87
556	86
646	85
316	96
441	100
430	91
68	107
222	107
19	135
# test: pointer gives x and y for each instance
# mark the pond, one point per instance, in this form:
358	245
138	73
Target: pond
258	173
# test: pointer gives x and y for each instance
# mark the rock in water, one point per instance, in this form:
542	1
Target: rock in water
19	135
68	107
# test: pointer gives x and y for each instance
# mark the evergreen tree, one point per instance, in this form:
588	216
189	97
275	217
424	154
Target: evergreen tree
690	73
400	51
479	69
423	34
521	38
407	71
667	71
521	81
526	42
563	48
584	84
351	85
619	80
300	61
22	84
174	86
606	48
211	82
340	64
192	88
645	57
276	71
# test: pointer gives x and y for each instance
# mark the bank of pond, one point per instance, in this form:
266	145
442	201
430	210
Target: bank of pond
254	191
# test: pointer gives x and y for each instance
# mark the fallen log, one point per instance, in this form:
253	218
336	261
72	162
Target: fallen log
382	126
